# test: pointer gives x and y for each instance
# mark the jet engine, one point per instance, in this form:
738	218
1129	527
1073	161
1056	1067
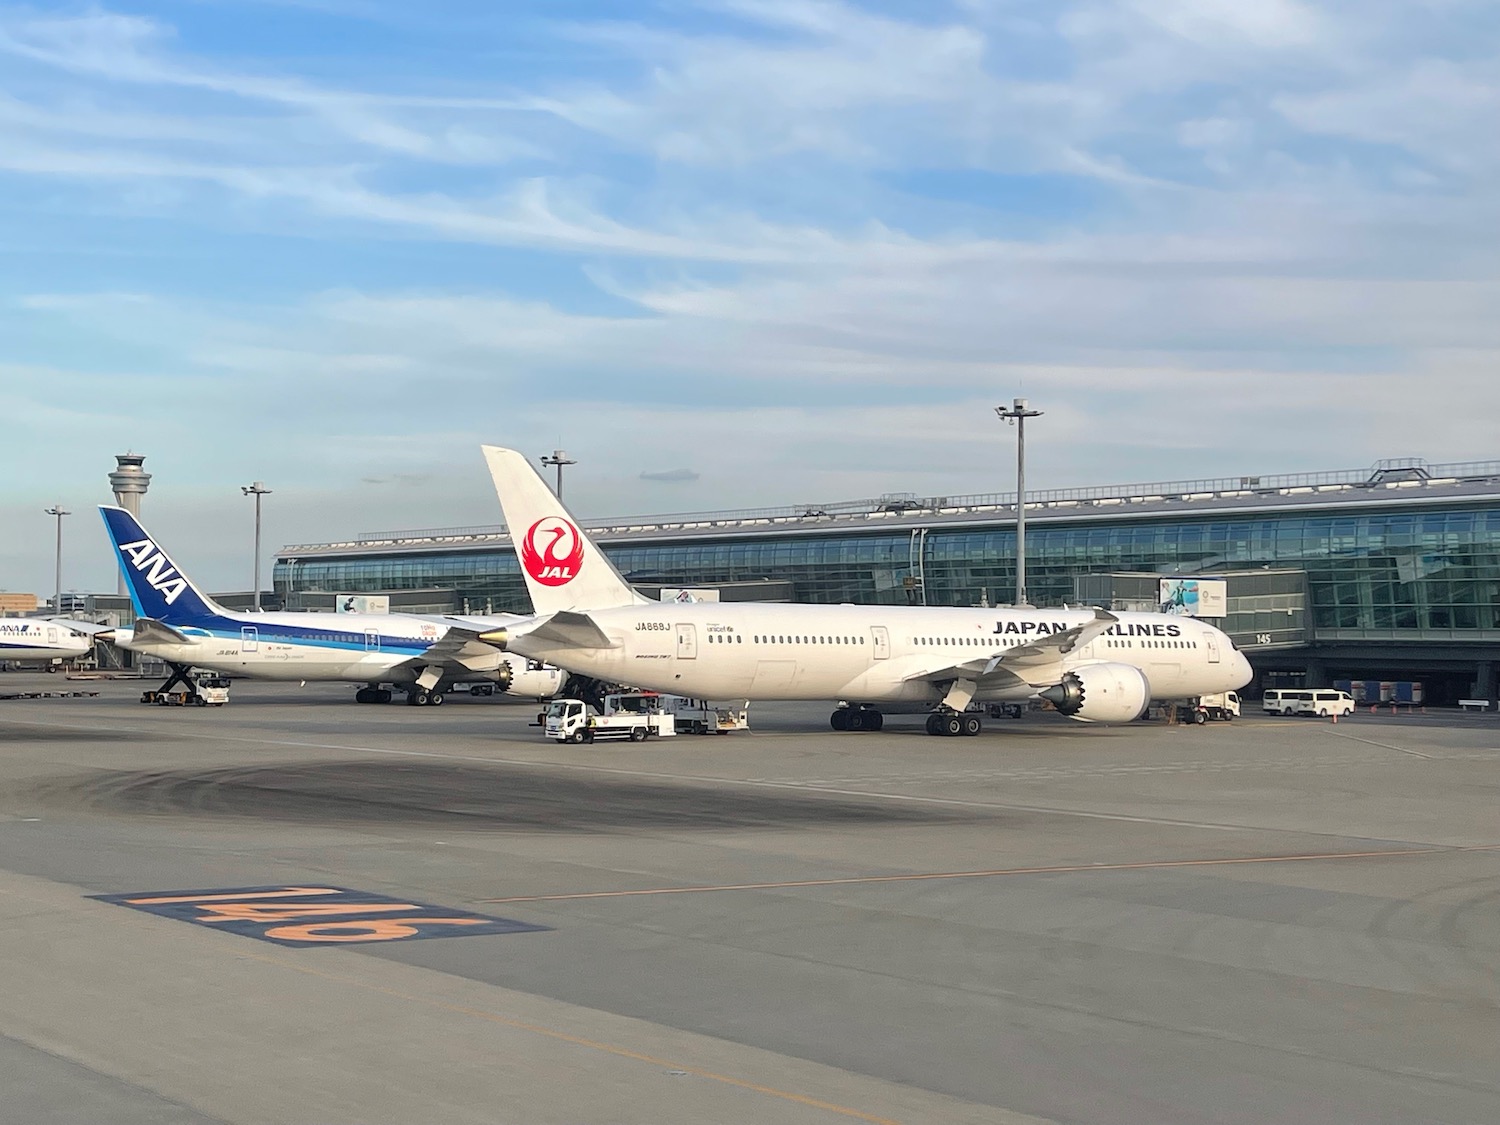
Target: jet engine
530	679
1101	693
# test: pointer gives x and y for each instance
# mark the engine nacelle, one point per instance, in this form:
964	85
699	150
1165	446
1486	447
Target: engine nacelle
531	679
1101	693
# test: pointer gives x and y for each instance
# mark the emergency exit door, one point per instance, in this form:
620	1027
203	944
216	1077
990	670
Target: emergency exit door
687	642
880	637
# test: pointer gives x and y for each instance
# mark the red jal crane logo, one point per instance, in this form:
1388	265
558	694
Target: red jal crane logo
552	551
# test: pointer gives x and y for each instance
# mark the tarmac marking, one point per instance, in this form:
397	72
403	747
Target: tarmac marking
285	916
1057	869
590	1044
1382	745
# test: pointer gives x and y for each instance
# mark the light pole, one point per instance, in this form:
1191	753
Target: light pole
559	458
1016	416
257	490
58	511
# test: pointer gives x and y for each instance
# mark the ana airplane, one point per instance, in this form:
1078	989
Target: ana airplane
28	639
178	623
1089	664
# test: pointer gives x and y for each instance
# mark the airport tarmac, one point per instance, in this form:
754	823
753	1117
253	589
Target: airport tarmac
1274	920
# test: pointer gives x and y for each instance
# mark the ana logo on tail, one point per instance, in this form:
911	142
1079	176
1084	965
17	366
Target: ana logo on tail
552	551
153	566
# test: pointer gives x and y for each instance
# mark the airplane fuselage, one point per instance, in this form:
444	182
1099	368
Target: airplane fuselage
358	648
876	653
22	639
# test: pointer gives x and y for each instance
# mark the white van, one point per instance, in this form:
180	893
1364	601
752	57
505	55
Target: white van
1307	701
1324	703
1283	702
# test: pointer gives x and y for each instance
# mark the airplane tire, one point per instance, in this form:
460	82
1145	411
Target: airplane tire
839	720
383	695
934	723
854	720
435	698
874	720
972	725
953	725
416	698
1200	717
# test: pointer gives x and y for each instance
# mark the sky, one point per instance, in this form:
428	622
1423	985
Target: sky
726	253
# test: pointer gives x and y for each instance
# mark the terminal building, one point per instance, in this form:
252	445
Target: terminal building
1390	573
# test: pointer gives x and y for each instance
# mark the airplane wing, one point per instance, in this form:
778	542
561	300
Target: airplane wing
1032	662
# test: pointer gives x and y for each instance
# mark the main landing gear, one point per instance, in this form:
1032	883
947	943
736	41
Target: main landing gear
951	723
373	694
419	698
856	718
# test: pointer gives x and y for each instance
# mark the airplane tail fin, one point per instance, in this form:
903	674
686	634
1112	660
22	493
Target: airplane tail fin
159	589
564	569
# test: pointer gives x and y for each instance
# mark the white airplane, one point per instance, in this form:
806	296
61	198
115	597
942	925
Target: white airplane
1089	664
24	638
178	623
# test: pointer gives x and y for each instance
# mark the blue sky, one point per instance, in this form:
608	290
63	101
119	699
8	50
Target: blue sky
799	248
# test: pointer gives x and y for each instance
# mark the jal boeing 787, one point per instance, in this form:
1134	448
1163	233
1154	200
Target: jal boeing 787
1090	664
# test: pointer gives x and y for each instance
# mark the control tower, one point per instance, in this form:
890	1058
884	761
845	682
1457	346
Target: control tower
129	482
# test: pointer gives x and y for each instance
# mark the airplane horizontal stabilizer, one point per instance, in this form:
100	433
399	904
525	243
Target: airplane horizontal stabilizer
570	629
149	631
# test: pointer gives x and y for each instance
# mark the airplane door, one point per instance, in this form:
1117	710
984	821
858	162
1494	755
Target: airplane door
51	635
880	636
1213	651
249	639
687	642
372	640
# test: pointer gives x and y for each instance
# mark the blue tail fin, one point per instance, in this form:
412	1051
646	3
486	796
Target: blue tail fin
158	587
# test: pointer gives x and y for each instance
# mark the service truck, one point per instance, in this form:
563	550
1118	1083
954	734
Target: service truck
1225	705
636	715
208	690
698	716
